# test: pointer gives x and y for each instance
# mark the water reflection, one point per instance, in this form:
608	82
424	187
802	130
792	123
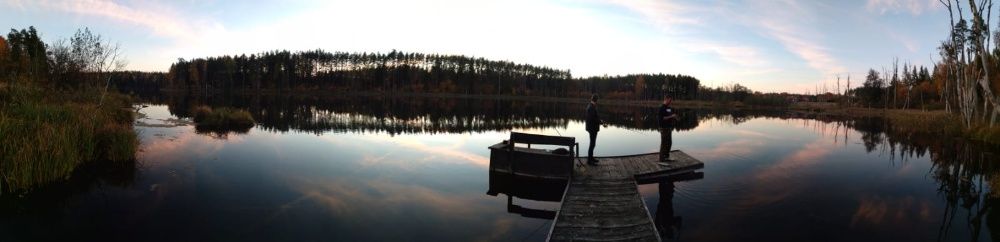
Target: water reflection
395	115
965	172
666	221
326	168
530	188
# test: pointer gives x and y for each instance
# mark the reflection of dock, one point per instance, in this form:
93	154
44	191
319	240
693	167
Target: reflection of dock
526	187
603	203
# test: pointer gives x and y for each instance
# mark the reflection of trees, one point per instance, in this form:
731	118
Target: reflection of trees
965	171
396	115
966	176
220	132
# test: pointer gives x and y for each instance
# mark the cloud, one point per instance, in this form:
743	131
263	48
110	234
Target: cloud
907	42
664	14
157	18
816	55
789	23
914	7
742	55
670	16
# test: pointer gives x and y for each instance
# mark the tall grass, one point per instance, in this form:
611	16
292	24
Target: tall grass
933	122
46	134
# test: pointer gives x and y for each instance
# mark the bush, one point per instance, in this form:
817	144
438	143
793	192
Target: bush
222	119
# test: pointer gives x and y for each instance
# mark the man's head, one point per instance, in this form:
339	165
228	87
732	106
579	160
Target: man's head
667	99
593	98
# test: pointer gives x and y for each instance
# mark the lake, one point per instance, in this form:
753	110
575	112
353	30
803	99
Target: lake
417	169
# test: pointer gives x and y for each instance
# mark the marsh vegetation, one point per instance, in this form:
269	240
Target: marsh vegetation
56	112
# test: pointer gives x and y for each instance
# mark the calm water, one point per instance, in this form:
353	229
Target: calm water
329	169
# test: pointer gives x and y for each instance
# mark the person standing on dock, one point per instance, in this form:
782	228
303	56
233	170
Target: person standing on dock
666	118
593	126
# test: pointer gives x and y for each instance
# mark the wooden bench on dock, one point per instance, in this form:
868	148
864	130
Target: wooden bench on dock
551	164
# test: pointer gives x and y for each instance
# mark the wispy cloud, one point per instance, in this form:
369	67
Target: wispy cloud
664	14
742	55
793	25
792	37
159	19
670	16
914	7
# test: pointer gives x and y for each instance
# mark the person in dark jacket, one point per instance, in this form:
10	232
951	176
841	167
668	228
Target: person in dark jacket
666	118
593	126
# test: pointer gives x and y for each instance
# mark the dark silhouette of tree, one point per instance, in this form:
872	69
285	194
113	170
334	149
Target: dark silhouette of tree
4	53
27	54
871	91
397	71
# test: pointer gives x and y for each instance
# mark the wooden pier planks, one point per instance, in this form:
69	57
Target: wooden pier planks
602	203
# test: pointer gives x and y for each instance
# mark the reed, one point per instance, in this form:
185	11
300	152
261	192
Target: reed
47	135
943	124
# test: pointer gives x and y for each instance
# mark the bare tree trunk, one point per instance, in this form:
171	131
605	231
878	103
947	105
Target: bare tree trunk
982	30
895	80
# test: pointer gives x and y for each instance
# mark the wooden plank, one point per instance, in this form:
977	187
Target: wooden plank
526	138
602	202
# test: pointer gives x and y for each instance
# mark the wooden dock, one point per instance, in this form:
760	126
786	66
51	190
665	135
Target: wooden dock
602	202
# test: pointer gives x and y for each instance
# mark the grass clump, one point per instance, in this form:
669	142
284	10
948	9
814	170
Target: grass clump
222	119
47	134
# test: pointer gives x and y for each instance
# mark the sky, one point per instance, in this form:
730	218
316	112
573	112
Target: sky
767	45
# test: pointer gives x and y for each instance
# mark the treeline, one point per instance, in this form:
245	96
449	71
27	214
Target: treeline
643	86
402	72
911	86
139	82
367	72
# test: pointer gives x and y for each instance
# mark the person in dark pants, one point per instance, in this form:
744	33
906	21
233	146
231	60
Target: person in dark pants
593	126
666	118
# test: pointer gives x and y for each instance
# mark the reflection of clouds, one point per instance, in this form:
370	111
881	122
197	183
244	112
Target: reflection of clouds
501	227
739	147
371	160
744	132
776	182
768	187
166	145
357	201
876	210
451	147
166	149
447	151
